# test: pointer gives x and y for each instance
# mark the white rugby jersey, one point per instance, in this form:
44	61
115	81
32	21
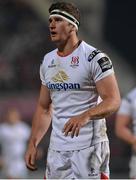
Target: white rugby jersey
71	81
128	107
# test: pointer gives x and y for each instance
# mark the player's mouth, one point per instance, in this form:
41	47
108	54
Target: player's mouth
53	33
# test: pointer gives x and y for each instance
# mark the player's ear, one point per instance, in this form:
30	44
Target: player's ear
73	28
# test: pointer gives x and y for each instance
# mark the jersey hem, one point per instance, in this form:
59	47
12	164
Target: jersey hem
67	148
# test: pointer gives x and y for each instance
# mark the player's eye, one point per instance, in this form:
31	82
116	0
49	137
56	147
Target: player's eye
50	20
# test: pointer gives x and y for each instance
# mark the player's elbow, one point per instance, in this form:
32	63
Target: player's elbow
115	104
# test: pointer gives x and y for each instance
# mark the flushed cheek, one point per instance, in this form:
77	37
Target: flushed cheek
64	33
60	35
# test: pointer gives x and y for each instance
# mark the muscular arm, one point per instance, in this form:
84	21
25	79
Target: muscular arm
109	93
40	125
42	116
123	130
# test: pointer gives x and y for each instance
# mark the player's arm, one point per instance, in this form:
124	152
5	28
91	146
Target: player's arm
122	128
109	93
40	125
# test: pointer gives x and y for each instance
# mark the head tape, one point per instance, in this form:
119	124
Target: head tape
68	17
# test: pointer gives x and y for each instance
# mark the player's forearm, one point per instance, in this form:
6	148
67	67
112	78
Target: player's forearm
40	125
104	109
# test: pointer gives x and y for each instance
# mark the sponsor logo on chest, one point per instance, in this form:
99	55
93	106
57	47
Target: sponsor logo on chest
60	82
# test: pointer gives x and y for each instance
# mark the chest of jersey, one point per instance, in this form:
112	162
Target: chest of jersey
67	73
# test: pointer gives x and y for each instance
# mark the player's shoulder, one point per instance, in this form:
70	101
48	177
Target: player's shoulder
53	52
87	48
92	52
49	55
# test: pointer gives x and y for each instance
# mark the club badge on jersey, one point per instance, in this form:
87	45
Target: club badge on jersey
75	61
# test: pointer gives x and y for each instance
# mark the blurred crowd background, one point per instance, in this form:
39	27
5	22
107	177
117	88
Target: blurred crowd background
24	39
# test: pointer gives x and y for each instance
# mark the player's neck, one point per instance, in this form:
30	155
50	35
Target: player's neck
68	47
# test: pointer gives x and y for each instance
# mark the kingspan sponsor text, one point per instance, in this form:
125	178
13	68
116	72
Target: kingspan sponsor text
63	86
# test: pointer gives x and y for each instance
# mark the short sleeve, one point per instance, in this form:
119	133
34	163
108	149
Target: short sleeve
101	66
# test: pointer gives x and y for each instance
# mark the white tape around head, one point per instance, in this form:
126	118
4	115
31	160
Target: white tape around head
63	14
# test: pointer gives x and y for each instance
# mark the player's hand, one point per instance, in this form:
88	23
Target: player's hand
30	157
74	124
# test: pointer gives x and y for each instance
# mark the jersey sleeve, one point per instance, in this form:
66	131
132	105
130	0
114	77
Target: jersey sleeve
100	65
42	72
